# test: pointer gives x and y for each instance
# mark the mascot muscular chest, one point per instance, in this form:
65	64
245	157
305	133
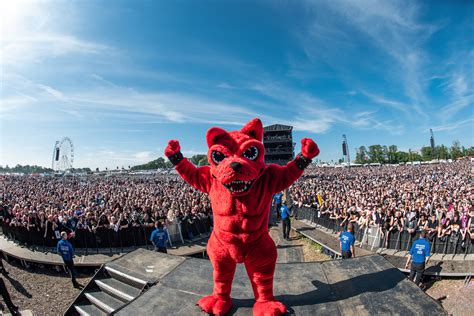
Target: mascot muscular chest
241	186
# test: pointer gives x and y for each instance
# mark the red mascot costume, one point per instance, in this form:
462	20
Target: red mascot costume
241	187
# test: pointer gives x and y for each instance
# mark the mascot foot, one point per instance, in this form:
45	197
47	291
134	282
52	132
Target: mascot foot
215	305
269	308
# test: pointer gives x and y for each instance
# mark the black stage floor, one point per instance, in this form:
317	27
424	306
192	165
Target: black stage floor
361	286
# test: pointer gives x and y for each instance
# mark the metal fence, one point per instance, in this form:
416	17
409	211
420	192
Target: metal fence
375	237
105	239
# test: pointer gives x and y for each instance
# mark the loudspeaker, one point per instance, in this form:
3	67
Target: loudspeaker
344	148
57	154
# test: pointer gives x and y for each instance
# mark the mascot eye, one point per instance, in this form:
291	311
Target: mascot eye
251	153
217	157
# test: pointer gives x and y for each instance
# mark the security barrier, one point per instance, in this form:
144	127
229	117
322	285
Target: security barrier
375	237
105	239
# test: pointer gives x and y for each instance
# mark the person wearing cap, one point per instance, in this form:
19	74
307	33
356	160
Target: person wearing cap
346	242
285	218
159	238
66	251
419	256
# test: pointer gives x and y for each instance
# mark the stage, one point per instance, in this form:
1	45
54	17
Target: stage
360	286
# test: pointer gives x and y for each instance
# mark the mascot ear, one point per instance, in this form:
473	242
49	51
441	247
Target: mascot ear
254	129
215	135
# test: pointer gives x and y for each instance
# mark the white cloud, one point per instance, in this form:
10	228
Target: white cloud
312	114
458	85
454	126
461	95
143	156
14	103
381	100
37	47
112	158
225	85
33	31
388	28
55	93
457	105
173	107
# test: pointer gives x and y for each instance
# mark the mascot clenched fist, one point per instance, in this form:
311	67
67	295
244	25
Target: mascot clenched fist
241	187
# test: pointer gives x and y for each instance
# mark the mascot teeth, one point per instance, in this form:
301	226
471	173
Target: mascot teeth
238	186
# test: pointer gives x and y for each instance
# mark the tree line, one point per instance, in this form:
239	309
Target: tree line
391	154
162	163
27	169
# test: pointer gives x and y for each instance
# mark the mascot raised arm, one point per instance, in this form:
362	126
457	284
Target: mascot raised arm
241	186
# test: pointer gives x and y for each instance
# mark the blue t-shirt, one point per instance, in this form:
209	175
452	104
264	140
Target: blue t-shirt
277	198
420	250
285	212
159	237
347	240
65	250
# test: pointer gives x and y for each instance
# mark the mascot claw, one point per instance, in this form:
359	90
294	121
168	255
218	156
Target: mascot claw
215	305
309	149
269	308
172	148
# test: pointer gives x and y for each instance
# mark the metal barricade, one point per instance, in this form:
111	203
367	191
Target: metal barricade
404	240
126	237
80	239
174	233
147	234
102	238
358	232
114	238
438	245
138	236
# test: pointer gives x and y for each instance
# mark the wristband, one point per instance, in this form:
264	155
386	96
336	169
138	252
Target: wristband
301	161
176	158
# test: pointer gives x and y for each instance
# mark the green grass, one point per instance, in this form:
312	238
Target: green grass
313	245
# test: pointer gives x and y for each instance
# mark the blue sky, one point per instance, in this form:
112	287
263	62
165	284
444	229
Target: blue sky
122	77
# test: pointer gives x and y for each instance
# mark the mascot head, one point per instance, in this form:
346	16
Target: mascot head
237	157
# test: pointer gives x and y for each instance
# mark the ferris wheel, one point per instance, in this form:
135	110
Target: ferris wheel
63	155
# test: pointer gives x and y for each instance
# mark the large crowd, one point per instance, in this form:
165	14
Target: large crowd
55	204
438	198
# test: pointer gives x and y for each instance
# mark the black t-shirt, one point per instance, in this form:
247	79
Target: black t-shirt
432	224
456	223
135	222
49	227
378	220
123	222
103	221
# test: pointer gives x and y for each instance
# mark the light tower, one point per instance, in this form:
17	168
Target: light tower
432	144
345	149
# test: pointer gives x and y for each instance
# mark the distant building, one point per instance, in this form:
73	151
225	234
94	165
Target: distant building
278	143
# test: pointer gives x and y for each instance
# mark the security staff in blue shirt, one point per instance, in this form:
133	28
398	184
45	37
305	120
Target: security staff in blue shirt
159	238
67	253
285	218
419	256
347	241
277	203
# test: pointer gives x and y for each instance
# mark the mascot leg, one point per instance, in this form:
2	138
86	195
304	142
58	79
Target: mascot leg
260	265
219	303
